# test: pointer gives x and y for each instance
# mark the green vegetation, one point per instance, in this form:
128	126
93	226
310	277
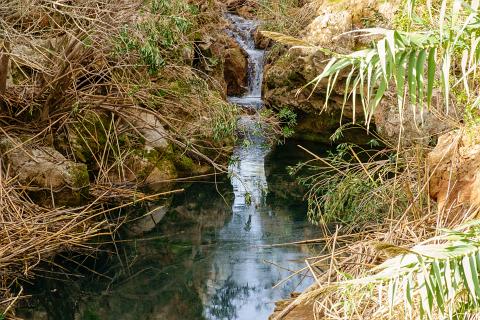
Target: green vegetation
344	189
380	201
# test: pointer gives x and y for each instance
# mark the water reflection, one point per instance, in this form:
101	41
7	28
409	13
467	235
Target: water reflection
204	260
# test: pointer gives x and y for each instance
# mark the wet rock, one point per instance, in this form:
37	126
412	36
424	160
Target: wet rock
235	68
225	62
455	171
45	172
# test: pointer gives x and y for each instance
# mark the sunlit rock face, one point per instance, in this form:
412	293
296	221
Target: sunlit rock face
455	172
44	172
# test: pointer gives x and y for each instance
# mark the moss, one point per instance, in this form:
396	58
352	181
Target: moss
184	163
79	175
90	315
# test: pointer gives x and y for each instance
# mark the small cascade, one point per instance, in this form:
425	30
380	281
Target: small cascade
248	174
242	30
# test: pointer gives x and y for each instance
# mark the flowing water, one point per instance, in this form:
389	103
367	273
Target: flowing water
208	253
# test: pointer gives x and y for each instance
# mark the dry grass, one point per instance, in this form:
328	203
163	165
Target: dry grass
289	17
412	218
31	234
83	69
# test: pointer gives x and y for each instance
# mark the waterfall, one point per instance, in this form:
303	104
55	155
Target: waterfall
242	31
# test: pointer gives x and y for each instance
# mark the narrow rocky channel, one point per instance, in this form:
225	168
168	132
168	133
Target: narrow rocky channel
210	255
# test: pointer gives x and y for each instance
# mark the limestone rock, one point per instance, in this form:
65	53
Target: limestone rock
235	69
293	69
225	61
455	171
150	127
149	170
43	170
327	30
417	125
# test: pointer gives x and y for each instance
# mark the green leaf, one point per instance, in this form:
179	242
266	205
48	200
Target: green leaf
473	267
412	77
440	291
400	77
420	70
431	75
380	92
468	275
382	54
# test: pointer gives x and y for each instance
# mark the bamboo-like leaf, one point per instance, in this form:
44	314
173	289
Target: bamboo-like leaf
424	295
443	10
412	77
474	268
467	271
446	78
420	70
400	77
440	291
431	75
382	54
463	64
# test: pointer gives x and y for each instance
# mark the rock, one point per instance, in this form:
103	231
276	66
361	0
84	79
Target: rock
243	8
44	171
327	30
416	125
150	127
235	68
455	171
225	62
261	42
148	169
293	69
291	72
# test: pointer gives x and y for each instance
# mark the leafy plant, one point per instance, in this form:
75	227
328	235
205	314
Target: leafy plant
437	279
344	189
406	61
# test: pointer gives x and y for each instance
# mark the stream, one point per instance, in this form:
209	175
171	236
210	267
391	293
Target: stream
211	255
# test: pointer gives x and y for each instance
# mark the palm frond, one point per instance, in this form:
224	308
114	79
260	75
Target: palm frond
408	61
438	279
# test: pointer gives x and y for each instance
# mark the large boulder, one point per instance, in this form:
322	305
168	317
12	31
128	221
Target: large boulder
412	124
224	61
455	171
150	128
45	172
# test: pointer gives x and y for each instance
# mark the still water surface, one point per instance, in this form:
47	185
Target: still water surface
206	259
206	253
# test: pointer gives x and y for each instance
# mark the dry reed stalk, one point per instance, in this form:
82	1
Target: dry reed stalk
354	253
